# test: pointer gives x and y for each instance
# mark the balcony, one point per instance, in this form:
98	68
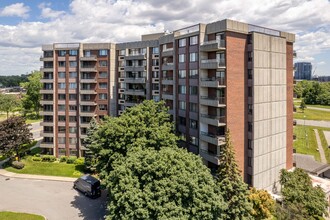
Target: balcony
167	95
46	102
168	66
135	80
213	82
88	58
213	45
47	112
136	57
213	64
167	52
141	92
212	139
88	80
42	58
46	69
84	124
87	102
210	156
132	103
47	123
47	134
46	91
88	114
46	80
213	101
47	145
88	69
87	91
135	68
167	81
213	120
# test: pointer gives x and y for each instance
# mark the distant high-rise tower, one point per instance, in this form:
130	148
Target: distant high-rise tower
303	70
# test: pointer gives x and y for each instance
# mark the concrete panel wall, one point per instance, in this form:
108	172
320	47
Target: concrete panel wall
269	109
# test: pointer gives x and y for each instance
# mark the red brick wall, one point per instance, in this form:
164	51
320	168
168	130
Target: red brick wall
289	129
236	93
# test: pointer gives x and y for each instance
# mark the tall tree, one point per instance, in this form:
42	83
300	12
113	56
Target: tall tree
263	204
146	125
31	100
89	141
169	183
8	103
15	136
303	105
297	188
234	191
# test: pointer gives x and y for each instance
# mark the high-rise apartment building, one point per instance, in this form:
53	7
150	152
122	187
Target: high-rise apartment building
303	70
213	77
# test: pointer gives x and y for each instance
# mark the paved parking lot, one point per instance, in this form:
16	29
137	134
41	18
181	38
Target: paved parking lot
53	199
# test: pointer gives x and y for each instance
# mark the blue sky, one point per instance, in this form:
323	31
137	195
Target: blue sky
26	25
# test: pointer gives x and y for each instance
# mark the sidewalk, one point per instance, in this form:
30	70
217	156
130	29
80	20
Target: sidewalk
325	124
319	146
5	173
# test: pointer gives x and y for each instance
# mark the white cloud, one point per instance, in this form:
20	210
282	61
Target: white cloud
126	20
321	63
17	10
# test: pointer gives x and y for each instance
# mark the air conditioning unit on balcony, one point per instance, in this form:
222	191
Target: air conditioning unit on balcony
121	57
155	56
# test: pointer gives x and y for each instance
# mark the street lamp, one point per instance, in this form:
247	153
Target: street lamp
306	137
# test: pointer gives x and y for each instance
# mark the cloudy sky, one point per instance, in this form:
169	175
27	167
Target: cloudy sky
26	25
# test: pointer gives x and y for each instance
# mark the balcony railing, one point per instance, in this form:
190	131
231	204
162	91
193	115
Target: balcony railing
212	138
88	58
213	45
213	82
213	63
210	156
214	100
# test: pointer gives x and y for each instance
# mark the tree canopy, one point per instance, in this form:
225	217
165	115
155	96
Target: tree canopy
169	183
11	81
313	92
234	191
263	204
15	136
8	103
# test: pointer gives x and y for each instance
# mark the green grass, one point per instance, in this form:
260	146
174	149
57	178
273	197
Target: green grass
48	169
319	106
305	145
19	216
312	114
324	143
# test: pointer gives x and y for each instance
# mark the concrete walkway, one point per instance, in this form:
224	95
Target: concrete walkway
327	136
319	145
325	124
320	109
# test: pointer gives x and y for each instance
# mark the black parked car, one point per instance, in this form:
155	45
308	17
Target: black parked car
88	185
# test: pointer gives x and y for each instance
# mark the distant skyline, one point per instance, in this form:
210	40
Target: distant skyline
26	25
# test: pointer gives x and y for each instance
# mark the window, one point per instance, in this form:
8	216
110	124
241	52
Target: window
249	144
61	151
193	40
193	124
250	108
61	63
103	63
72	108
193	57
193	90
250	91
73	63
193	107
249	161
103	52
48	108
61	129
103	107
249	179
122	52
182	121
61	108
61	118
61	53
72	97
103	75
61	86
182	105
73	74
182	42
250	127
73	52
182	74
61	140
182	136
181	58
155	50
193	74
250	56
61	96
182	89
72	118
87	53
72	140
193	140
48	86
83	130
249	74
102	96
102	85
61	75
72	85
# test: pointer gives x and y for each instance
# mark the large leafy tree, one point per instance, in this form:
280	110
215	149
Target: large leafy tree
8	103
263	204
31	100
15	136
89	141
169	183
234	191
297	188
146	125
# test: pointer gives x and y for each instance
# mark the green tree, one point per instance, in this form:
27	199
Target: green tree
169	183
8	103
303	105
297	188
89	141
263	204
146	125
15	136
31	100
234	191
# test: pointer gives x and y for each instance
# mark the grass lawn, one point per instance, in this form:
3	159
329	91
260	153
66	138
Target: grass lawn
19	216
306	145
48	169
312	114
319	106
324	143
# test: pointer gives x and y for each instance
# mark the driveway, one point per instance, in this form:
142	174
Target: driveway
53	199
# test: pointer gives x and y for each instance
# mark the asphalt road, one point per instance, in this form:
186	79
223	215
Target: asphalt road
325	124
53	199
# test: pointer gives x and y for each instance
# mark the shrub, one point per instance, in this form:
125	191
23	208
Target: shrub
71	159
37	155
80	161
48	158
17	164
63	158
36	158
